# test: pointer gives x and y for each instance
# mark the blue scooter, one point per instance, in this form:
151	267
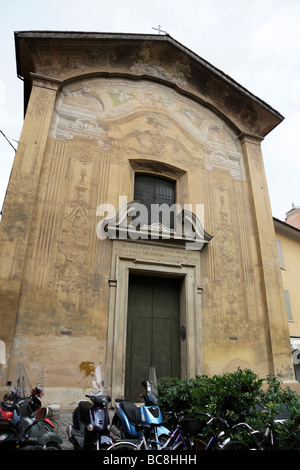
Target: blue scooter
128	415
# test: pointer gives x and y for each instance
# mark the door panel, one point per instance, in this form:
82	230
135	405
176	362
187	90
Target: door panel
162	347
153	331
137	342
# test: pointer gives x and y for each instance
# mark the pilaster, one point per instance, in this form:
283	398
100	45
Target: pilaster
19	203
280	349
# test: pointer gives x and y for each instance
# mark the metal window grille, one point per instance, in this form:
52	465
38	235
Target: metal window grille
151	190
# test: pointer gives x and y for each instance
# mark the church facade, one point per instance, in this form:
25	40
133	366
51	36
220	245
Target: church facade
137	228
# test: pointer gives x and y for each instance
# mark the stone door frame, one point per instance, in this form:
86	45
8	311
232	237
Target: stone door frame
158	260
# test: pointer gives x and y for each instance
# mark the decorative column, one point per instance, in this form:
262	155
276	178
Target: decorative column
280	349
20	200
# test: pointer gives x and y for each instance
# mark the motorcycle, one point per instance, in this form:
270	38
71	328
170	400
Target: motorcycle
24	427
91	424
8	410
128	415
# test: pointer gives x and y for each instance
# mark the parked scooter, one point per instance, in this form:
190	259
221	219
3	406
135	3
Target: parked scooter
91	425
25	428
8	409
128	415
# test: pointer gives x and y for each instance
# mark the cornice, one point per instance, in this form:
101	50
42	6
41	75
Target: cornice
287	230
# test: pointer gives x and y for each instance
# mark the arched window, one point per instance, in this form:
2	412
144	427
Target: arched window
156	193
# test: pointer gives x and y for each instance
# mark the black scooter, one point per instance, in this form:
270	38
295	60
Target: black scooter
33	436
26	428
91	425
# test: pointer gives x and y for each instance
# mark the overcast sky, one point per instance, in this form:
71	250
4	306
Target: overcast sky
255	42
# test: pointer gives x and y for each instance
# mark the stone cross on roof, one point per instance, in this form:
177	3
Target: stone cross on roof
159	29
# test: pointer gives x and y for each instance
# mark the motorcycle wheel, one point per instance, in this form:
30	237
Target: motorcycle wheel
52	447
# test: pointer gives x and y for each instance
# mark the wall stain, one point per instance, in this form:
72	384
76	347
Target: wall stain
88	368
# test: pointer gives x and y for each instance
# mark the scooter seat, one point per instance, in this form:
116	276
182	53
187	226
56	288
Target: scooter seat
132	411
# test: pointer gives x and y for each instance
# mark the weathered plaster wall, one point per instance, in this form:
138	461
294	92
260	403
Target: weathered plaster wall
82	141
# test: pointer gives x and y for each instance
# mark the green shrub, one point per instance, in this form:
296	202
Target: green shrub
234	397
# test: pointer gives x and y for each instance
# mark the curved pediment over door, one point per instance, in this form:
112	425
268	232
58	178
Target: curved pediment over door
188	227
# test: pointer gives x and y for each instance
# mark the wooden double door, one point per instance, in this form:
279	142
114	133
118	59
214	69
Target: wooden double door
153	331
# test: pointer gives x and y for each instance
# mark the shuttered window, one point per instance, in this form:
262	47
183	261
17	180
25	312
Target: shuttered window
288	305
280	254
151	190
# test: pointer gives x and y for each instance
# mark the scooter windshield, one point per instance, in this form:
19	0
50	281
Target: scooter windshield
152	386
23	383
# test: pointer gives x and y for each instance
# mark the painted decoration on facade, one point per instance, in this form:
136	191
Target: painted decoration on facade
97	108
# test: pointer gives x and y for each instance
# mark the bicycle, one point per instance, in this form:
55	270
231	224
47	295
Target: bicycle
217	441
182	438
176	440
259	438
134	444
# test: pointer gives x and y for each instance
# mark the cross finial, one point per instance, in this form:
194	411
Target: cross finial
159	29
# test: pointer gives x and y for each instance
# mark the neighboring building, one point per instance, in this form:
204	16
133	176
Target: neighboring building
112	119
288	243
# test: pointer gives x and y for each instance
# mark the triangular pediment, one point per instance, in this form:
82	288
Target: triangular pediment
61	56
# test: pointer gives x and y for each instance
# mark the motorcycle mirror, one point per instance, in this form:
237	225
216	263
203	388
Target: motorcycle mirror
41	414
